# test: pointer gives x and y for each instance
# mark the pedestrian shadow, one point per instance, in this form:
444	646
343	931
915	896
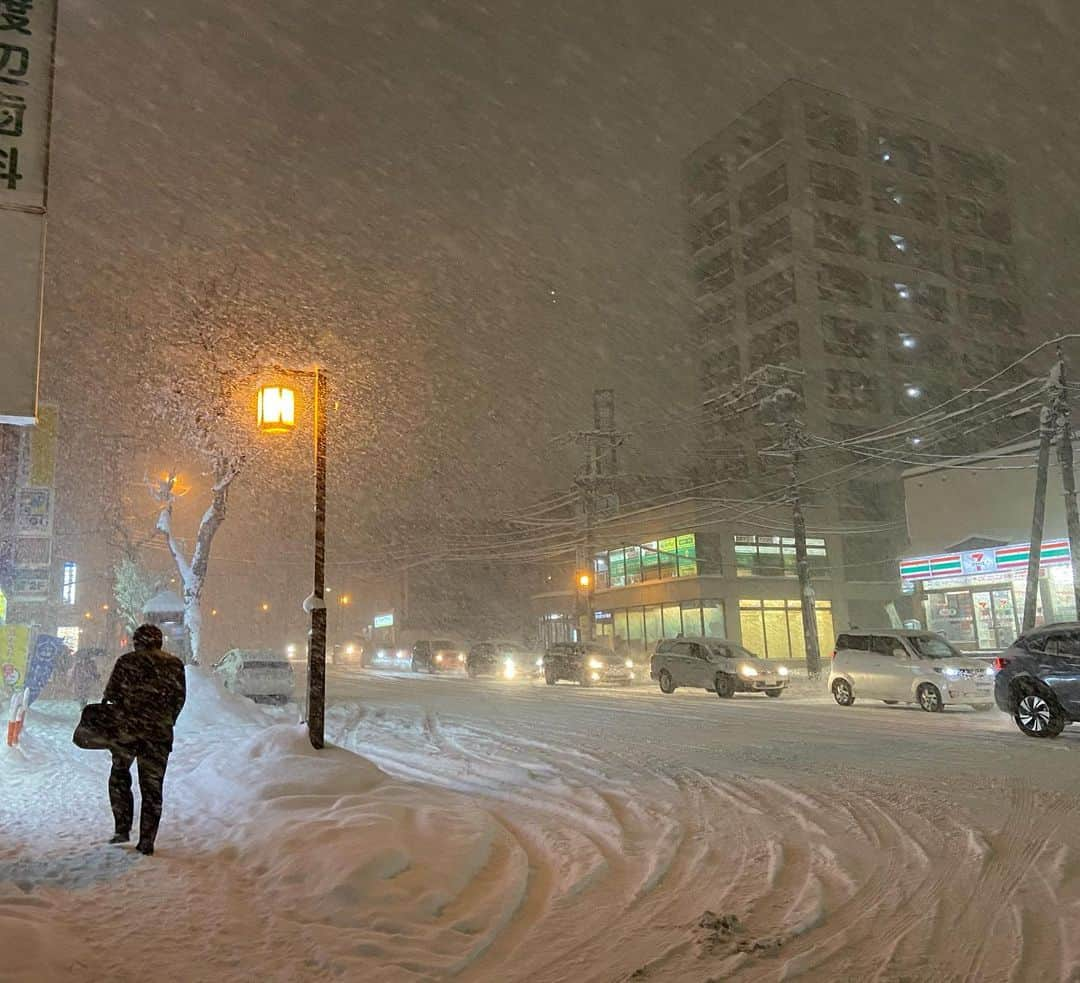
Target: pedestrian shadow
67	871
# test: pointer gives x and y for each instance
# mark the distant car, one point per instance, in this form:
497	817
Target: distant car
900	666
386	656
264	675
506	660
438	655
586	663
714	664
1038	680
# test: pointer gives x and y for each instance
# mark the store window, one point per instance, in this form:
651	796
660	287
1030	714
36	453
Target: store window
69	635
774	556
644	626
662	559
774	630
673	623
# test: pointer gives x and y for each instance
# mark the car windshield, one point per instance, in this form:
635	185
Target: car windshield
730	651
933	647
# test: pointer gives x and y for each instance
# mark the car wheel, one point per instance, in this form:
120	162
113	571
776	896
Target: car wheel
842	693
890	703
929	697
549	676
1039	715
774	693
667	684
725	686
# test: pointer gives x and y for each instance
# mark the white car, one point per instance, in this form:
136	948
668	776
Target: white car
715	664
908	667
265	676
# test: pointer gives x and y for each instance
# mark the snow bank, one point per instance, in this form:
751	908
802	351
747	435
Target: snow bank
209	704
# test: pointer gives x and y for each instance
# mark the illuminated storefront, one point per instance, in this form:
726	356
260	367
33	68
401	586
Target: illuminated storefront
774	629
975	598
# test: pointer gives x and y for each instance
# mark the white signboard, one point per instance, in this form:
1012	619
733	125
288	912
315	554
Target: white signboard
27	32
22	248
26	54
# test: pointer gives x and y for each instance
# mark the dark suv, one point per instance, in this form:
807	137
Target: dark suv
586	663
1038	679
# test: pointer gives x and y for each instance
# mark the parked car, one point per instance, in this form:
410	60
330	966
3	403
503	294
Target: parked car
438	655
586	663
385	656
262	675
507	660
902	666
1038	680
715	664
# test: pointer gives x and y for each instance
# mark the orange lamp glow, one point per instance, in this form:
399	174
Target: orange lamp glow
584	581
277	409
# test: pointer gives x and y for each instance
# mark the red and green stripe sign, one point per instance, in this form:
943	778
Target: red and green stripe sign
1006	558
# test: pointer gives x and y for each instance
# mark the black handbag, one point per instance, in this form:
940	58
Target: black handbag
100	728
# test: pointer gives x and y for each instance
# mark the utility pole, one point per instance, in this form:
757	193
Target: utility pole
785	399
598	495
1068	476
1047	424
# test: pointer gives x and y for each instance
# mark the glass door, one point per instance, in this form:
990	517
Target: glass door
1005	627
985	632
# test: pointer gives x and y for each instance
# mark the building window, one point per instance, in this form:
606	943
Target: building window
674	556
995	310
847	390
840	285
847	338
832	183
913	297
909	201
717	273
721	369
977	171
640	628
712	228
69	635
902	151
769	243
774	556
778	345
758	131
774	630
771	295
902	247
982	266
708	178
837	233
69	582
828	130
971	218
765	194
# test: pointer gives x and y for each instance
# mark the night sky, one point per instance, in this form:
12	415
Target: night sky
483	201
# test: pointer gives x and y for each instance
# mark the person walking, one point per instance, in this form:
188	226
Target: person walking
148	688
85	678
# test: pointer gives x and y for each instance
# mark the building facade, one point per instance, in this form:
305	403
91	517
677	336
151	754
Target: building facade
969	528
685	568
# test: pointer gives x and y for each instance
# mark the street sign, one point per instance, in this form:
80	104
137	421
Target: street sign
383	621
27	36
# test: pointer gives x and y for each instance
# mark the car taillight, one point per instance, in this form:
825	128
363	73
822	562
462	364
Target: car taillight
1000	662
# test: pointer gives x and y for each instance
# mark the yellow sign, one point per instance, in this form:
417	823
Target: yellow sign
14	655
43	446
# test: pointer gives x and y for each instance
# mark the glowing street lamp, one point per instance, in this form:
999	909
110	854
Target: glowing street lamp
584	581
276	409
277	414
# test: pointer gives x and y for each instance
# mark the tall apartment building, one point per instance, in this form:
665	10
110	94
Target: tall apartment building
871	250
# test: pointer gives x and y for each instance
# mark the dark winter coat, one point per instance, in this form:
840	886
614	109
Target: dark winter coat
149	688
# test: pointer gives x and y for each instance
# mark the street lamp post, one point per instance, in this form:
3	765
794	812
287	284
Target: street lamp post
276	414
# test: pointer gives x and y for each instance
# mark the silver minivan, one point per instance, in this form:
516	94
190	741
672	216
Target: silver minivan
715	664
897	666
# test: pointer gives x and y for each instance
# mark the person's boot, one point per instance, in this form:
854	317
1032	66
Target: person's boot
145	847
120	838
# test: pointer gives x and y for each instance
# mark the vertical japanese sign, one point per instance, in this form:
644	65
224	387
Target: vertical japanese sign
27	34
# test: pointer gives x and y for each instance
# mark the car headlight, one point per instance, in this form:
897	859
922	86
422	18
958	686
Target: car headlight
461	657
438	658
782	671
747	671
509	669
403	654
989	671
629	663
540	663
595	664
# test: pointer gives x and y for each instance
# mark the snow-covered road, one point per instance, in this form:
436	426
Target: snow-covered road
523	833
